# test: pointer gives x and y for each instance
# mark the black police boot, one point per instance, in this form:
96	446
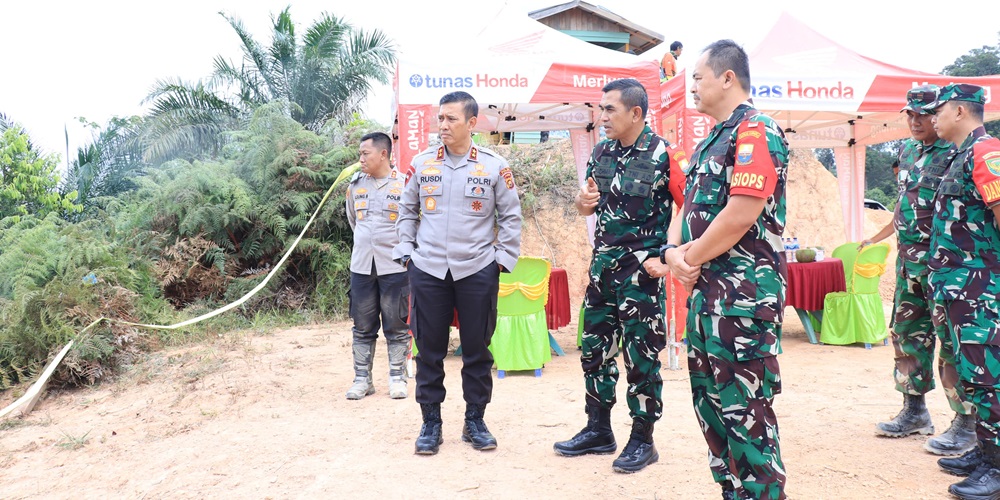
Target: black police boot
963	465
958	439
911	419
475	430
597	437
430	438
639	451
984	482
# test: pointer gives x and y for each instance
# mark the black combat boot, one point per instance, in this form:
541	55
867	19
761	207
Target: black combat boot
729	491
430	439
984	482
639	451
958	439
475	430
911	419
963	465
597	437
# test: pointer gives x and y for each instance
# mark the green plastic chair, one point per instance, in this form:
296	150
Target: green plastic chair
857	315
521	339
847	252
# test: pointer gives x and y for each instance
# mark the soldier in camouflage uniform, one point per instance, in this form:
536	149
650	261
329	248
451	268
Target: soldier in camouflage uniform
922	164
379	286
965	275
628	189
731	258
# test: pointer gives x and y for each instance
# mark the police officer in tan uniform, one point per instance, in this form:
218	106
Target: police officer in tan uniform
457	193
379	286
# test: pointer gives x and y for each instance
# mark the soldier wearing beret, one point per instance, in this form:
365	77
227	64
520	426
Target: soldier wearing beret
965	275
921	166
458	193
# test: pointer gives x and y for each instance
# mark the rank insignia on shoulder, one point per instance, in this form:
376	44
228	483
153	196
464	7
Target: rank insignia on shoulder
440	153
473	154
392	175
430	171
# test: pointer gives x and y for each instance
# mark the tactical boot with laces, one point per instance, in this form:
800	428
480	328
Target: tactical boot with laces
913	418
597	437
475	431
639	451
963	465
984	482
958	439
429	440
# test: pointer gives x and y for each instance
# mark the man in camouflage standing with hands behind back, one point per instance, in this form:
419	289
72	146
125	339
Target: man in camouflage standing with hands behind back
628	188
965	275
731	258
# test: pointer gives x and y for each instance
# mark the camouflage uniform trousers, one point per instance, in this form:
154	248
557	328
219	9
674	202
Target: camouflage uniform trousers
974	326
628	314
733	389
913	338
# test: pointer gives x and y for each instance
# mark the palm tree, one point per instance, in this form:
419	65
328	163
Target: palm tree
325	76
109	165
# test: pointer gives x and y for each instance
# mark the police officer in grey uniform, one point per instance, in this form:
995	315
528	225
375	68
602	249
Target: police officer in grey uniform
457	193
379	285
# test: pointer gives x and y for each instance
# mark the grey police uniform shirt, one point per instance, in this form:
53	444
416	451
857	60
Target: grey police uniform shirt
372	210
447	215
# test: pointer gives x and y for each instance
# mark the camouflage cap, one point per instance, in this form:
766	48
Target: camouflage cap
918	98
958	92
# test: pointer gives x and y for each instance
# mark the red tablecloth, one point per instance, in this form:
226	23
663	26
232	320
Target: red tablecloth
557	308
809	282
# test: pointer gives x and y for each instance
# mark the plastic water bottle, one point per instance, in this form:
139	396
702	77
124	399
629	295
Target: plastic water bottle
795	248
787	243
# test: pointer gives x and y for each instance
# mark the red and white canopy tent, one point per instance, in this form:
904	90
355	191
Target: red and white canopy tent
525	76
825	96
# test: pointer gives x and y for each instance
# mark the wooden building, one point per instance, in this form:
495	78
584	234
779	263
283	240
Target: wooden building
599	26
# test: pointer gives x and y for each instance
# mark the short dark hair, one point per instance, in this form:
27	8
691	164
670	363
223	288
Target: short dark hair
975	109
380	140
633	93
468	102
676	45
725	55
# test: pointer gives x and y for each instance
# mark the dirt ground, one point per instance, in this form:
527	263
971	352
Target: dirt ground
255	415
264	416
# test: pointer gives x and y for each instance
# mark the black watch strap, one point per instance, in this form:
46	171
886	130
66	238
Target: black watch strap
663	252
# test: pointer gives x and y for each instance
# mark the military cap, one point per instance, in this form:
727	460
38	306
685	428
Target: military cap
918	98
958	92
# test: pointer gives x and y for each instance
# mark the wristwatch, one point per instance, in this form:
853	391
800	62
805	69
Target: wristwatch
404	260
663	252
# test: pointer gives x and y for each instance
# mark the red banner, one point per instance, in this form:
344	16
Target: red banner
414	126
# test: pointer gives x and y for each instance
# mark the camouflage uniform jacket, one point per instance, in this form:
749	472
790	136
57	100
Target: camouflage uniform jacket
372	210
746	154
965	238
920	171
634	209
